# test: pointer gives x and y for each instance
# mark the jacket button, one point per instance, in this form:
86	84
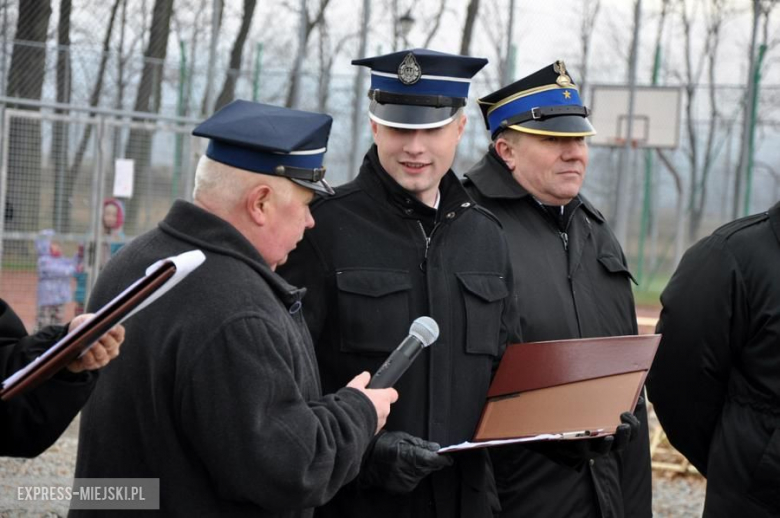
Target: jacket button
467	204
592	462
408	211
450	215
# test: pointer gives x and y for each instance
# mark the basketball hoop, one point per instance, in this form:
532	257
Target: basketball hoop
655	118
621	142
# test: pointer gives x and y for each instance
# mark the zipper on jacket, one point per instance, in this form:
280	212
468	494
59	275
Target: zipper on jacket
423	264
565	240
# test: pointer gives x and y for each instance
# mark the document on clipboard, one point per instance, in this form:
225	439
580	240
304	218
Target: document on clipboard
564	389
159	279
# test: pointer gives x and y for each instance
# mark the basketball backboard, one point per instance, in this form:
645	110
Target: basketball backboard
656	116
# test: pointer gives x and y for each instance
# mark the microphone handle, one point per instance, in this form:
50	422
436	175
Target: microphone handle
396	364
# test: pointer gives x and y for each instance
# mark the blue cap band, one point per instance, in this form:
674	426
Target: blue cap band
259	161
424	86
553	97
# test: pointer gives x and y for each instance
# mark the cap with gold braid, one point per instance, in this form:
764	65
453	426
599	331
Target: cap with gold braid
546	102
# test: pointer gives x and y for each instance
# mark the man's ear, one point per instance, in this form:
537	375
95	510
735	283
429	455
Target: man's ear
506	151
374	128
258	203
462	126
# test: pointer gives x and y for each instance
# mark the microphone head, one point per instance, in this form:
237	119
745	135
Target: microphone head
425	329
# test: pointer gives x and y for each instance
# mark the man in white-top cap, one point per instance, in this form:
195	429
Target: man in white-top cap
401	241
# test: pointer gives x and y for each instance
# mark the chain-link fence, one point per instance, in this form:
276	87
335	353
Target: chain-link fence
68	204
55	155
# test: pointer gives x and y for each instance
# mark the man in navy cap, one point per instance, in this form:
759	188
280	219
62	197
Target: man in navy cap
572	282
400	241
219	395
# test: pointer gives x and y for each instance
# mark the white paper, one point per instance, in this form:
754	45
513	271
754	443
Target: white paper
542	437
185	264
484	444
124	171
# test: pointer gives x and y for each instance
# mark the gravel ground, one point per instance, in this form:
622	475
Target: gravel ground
673	496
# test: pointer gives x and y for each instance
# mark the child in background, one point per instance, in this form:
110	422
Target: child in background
112	220
54	278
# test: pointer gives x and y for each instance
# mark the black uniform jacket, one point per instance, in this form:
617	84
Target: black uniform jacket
715	382
572	284
31	422
376	259
216	392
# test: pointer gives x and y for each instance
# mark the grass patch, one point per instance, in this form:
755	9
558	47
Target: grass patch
649	293
13	264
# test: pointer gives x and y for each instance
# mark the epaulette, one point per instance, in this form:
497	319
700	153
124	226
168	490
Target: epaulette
489	214
737	225
592	210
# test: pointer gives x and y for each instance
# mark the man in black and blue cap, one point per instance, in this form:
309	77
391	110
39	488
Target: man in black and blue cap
400	241
572	281
219	396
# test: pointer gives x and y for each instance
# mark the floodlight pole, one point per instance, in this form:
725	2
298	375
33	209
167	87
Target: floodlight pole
216	8
752	129
644	225
623	180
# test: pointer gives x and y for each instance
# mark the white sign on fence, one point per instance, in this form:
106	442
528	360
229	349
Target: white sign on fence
124	169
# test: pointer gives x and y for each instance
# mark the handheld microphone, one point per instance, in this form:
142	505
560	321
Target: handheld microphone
423	332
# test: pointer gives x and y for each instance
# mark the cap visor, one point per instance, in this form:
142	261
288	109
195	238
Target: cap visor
564	126
321	187
410	116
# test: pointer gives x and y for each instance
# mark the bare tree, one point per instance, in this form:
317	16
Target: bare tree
496	34
434	23
357	91
306	26
472	11
761	8
147	98
679	234
25	81
189	29
590	11
700	162
216	24
234	69
94	100
327	56
59	148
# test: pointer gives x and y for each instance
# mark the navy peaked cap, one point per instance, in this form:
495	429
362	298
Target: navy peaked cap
546	102
271	140
419	88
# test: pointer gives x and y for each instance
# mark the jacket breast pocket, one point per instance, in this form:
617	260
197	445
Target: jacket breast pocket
373	308
614	265
484	295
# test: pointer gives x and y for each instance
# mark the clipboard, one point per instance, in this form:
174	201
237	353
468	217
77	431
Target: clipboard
564	389
160	277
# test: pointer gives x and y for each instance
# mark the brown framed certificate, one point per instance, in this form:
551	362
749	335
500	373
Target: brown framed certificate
159	278
564	389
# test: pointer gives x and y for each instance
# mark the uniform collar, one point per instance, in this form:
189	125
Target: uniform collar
192	224
493	179
380	185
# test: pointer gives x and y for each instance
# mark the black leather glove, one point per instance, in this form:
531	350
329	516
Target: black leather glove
574	453
399	461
